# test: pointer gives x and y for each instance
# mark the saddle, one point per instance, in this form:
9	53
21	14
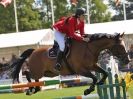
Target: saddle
53	52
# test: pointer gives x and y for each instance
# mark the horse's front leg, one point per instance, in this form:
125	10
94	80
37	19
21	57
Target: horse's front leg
92	86
104	72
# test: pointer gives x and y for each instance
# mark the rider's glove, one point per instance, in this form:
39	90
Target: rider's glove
86	39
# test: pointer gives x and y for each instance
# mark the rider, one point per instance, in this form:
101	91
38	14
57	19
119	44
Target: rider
68	27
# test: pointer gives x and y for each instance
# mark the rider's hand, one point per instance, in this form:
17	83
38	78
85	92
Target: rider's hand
86	39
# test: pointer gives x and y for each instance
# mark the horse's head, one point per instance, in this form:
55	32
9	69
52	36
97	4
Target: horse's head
118	49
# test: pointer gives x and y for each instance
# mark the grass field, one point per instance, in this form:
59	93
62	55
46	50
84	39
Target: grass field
130	92
51	94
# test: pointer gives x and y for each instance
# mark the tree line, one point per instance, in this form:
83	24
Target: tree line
33	15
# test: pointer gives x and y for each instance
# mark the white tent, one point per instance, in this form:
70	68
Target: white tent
110	27
18	42
44	36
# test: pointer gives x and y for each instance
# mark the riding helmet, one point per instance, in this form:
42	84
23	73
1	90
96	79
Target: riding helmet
80	11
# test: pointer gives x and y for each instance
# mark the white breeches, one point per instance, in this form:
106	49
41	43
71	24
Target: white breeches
60	38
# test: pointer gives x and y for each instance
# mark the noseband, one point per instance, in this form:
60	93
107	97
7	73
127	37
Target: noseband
115	49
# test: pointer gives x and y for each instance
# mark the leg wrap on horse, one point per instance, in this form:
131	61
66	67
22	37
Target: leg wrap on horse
89	90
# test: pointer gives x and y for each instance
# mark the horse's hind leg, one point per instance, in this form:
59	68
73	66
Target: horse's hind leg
104	72
37	88
28	77
31	89
92	86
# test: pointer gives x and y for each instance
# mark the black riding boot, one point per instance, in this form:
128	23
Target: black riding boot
59	60
55	46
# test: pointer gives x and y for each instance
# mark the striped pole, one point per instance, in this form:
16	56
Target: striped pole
32	84
17	90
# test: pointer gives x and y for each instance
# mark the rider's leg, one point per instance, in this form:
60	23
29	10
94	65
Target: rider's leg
59	37
55	45
59	60
54	49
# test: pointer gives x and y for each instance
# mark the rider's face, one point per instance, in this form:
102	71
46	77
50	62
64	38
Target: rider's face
82	17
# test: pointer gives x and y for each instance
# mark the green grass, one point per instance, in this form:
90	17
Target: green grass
130	92
49	94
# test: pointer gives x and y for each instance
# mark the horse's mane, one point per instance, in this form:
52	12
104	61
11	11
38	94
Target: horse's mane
98	36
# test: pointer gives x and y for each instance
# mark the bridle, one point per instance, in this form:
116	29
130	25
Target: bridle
115	49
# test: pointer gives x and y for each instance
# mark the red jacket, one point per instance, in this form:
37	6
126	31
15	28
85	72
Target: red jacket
70	27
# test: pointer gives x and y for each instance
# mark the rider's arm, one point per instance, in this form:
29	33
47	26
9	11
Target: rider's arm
82	29
71	29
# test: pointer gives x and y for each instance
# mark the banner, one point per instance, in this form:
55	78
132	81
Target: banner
74	2
117	2
5	3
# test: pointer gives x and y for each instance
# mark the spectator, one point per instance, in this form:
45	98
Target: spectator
130	52
4	76
4	62
1	65
13	58
104	58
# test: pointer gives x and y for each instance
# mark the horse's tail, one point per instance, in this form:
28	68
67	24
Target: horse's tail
18	63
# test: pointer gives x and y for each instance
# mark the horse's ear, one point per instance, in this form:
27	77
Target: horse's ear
122	34
117	35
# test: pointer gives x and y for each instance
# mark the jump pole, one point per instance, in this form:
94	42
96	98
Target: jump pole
32	84
17	90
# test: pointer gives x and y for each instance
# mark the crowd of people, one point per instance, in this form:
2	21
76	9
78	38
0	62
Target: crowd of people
130	52
6	70
104	59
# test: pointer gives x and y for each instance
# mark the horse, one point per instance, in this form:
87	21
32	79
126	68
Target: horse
82	59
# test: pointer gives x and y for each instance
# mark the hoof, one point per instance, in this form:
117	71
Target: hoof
33	90
37	89
28	92
88	91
